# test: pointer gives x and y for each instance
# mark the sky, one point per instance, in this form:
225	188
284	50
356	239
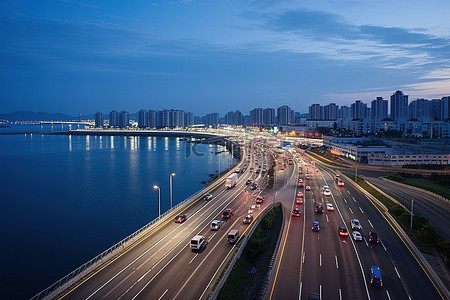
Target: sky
70	56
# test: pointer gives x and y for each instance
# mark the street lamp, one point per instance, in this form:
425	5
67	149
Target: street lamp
159	200
171	188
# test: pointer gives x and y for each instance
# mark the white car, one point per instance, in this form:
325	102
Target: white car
330	206
356	225
326	192
357	236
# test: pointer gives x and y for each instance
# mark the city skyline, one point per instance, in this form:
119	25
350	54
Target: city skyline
86	56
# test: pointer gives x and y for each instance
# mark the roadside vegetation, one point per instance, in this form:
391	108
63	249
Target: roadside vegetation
249	274
423	233
436	183
327	158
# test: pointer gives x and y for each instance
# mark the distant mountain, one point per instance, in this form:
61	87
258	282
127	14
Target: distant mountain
36	116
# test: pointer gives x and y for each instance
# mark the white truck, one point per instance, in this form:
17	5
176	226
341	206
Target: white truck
230	181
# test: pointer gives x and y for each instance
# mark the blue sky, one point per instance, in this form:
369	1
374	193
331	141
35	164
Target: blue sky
85	56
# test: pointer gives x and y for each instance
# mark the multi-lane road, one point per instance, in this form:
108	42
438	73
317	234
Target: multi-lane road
162	265
334	266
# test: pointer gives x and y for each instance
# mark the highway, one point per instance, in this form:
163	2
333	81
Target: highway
162	265
336	267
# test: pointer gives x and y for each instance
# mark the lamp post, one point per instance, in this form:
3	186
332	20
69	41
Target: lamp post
171	188
159	200
412	214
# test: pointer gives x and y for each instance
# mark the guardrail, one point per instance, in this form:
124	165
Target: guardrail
226	272
77	274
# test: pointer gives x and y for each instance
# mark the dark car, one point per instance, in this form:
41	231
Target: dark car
254	186
373	238
319	208
259	199
207	197
248	219
180	218
249	181
296	212
343	231
375	276
227	213
315	226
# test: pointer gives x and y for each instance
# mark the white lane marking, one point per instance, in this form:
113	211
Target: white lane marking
360	209
303	258
327	218
348	192
313	200
320	259
318	236
387	293
370	223
320	288
396	271
345	200
212	236
337	264
163	294
350	209
354	199
193	258
300	291
365	241
383	244
340	294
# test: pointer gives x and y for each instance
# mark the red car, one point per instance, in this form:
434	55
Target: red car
299	200
340	182
227	213
296	212
259	199
343	231
299	194
301	184
307	188
180	218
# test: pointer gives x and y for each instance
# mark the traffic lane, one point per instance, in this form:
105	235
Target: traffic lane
427	206
158	240
371	220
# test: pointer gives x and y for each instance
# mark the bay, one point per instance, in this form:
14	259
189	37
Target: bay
67	198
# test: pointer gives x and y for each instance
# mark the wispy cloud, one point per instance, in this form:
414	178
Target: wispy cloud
81	3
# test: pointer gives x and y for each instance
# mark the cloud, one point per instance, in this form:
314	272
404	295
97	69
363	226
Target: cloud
81	3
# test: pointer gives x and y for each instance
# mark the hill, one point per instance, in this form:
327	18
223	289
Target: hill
36	116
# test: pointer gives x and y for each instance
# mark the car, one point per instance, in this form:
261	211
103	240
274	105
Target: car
317	170
336	177
301	184
300	180
238	170
180	218
300	172
326	192
373	238
299	195
197	242
299	200
215	224
319	208
330	207
227	213
307	188
248	219
254	186
307	177
249	181
296	212
357	236
314	296
259	199
315	226
343	231
207	197
356	225
340	182
375	276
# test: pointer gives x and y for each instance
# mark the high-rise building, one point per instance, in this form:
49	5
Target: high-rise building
345	113
419	109
188	119
152	118
114	119
98	119
234	118
315	112
269	116
143	118
124	119
330	111
256	116
285	115
444	110
359	110
399	106
212	120
379	108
